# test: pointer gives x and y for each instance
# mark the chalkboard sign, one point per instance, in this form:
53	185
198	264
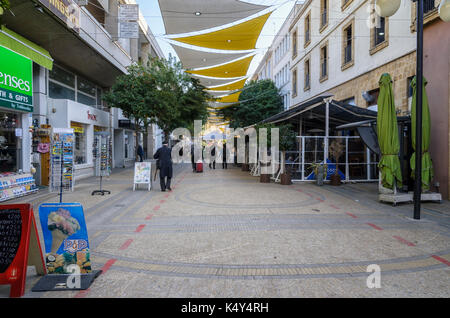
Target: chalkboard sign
10	233
19	246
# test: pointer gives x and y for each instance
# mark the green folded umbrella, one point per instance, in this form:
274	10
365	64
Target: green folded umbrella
427	166
387	130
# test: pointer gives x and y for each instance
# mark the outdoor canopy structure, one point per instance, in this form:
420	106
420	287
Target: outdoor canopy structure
216	43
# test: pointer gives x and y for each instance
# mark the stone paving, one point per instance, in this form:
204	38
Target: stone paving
222	233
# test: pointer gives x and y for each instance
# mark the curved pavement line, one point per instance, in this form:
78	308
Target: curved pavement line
185	197
393	266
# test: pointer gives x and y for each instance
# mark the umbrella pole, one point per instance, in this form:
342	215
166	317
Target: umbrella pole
419	102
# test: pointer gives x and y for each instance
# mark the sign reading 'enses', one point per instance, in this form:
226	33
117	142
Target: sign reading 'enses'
16	81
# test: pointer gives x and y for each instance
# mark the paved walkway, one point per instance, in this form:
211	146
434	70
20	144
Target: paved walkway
223	234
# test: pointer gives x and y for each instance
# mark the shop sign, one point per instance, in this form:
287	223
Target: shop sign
91	116
67	10
16	81
77	128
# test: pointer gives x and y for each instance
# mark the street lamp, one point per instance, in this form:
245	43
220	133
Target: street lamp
386	8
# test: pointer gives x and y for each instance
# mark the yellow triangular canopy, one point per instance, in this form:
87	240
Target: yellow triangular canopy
229	87
233	98
239	37
234	69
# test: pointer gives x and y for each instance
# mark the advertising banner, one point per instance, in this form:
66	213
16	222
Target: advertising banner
142	174
65	237
16	81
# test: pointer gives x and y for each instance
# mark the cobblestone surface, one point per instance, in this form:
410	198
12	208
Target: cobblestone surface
223	234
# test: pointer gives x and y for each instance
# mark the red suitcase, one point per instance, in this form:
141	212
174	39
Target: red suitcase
199	166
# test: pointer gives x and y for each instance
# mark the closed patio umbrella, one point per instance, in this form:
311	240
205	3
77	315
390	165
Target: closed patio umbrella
387	130
427	166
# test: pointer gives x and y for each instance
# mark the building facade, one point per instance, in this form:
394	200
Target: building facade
87	52
343	48
437	73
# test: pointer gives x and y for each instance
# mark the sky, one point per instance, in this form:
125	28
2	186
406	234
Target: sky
152	13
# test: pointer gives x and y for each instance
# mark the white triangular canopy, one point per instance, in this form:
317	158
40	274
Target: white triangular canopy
214	81
192	59
183	16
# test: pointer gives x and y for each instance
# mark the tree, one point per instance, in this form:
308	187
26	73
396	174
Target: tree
258	101
287	142
158	93
4	5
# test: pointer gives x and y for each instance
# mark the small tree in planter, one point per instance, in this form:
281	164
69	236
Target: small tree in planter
264	177
287	142
336	150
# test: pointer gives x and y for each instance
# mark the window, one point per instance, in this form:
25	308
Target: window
324	62
308	29
294	45
323	14
307	85
349	101
379	33
371	98
63	84
348	45
345	4
294	83
428	6
409	91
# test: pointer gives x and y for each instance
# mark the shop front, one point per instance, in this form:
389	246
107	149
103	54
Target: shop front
16	107
85	121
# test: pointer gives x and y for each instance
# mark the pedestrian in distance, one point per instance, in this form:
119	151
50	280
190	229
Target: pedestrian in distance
224	156
213	156
140	152
192	157
164	154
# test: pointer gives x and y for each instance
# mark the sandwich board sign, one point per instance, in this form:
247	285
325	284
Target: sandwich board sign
19	247
142	174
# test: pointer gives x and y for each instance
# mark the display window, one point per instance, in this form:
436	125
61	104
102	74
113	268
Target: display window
80	147
9	142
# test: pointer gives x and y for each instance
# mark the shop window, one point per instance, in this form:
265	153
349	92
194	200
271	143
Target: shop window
9	153
80	147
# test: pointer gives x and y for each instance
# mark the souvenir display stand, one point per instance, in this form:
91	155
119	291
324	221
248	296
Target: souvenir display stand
61	160
102	158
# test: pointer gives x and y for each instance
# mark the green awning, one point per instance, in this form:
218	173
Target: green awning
19	44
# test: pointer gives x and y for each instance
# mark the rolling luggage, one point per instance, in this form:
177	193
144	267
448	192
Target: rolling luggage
199	166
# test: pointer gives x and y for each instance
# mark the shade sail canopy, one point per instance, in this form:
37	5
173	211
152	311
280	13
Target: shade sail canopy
193	59
234	69
387	131
239	37
232	98
19	44
427	166
213	81
220	94
181	16
239	84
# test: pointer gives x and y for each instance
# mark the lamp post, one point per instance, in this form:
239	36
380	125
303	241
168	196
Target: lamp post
386	8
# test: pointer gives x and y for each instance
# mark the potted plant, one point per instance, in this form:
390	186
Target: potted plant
336	150
287	142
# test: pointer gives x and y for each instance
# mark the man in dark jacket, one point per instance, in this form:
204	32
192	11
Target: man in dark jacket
164	154
140	153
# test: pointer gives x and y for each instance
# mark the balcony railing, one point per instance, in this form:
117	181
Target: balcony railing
428	6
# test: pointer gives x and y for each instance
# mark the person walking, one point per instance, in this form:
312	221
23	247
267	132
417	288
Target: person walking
193	157
213	156
224	156
140	152
164	154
